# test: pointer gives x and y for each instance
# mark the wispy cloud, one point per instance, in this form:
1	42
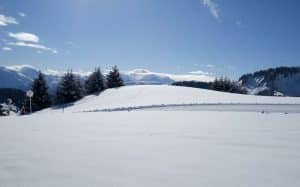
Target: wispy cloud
6	20
199	72
30	40
22	14
25	37
33	45
213	8
6	48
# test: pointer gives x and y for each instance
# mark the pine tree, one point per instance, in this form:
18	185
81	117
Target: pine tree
69	89
216	84
114	79
95	82
41	98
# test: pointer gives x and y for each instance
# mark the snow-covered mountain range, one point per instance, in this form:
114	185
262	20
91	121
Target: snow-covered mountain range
21	77
275	81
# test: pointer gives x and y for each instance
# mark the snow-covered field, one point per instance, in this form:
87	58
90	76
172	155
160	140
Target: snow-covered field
148	148
154	147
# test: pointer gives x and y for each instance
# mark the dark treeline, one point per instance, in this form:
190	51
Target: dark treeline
71	88
194	84
220	84
224	84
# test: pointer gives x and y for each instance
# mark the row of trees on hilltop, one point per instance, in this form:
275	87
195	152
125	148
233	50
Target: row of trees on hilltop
226	85
71	88
222	84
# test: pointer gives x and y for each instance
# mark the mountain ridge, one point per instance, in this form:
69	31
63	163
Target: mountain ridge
281	81
22	76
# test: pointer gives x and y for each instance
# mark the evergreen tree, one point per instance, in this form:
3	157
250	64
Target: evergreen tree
95	82
41	98
216	84
69	89
114	79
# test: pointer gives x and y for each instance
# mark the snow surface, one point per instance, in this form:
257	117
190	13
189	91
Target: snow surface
157	95
188	147
134	149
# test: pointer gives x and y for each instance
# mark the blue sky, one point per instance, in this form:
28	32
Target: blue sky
224	37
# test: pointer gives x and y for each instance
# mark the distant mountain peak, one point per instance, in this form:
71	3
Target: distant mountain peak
21	67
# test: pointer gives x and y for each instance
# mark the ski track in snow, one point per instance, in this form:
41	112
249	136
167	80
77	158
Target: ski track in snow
264	108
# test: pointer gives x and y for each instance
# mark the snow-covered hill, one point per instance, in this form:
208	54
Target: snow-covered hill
149	95
277	81
21	77
152	148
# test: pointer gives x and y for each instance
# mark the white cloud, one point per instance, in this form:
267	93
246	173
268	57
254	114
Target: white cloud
22	14
6	48
25	37
199	72
213	8
6	20
33	45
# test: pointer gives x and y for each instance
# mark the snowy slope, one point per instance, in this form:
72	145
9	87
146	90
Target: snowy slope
152	148
146	149
147	95
21	77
